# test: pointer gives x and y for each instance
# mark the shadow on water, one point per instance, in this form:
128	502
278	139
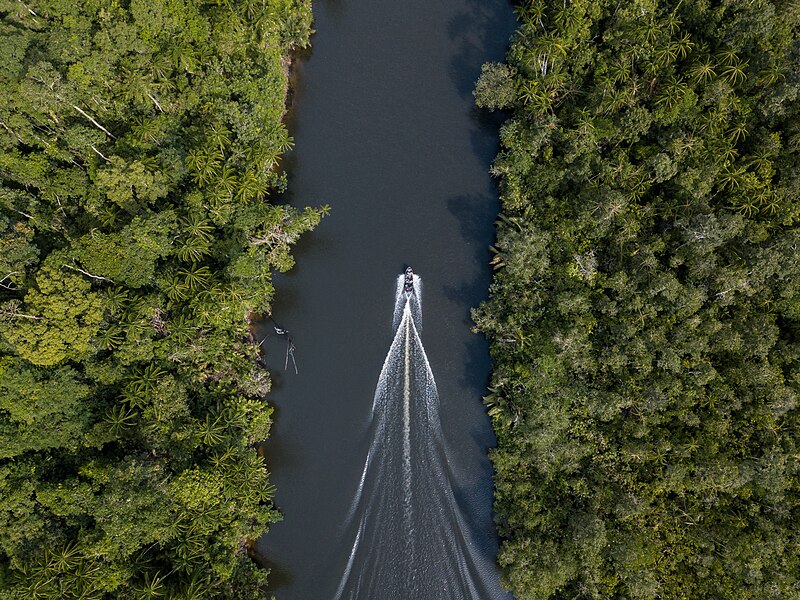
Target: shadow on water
473	29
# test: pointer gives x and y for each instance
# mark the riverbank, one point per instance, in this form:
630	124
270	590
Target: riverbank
138	240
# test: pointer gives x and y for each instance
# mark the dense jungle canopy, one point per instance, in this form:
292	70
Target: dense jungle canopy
644	317
645	313
139	142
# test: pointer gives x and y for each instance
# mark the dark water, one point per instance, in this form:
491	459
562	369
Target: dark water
385	133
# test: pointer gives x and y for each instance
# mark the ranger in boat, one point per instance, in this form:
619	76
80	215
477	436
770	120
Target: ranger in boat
408	285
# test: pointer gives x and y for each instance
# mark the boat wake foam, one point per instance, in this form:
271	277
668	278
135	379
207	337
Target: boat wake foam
410	540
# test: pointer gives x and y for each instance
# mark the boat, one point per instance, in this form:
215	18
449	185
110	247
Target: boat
408	285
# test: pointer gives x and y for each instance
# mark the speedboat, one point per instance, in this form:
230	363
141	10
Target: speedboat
408	284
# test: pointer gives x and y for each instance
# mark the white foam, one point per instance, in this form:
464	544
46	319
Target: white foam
409	540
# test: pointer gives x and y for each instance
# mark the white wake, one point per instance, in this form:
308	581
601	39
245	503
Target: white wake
409	538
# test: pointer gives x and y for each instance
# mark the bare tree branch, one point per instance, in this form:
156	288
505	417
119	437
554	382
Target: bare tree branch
59	205
11	283
79	270
95	123
27	8
100	154
10	310
158	106
12	132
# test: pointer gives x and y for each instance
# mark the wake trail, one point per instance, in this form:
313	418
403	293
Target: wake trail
409	537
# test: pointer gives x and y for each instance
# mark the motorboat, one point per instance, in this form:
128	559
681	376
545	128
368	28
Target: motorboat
408	284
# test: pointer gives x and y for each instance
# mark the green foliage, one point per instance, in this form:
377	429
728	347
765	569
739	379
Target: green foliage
17	252
62	316
495	88
34	400
139	143
130	256
644	313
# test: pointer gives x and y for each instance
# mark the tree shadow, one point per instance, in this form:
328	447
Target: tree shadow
335	8
278	576
482	32
476	216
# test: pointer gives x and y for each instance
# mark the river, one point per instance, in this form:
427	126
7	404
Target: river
387	134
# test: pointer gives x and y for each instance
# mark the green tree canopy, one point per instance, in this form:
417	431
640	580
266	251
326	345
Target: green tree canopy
643	317
139	144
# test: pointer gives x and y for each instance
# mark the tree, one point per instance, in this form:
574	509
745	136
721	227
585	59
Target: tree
62	317
495	88
33	416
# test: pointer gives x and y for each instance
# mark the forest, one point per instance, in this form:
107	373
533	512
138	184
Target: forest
139	147
644	317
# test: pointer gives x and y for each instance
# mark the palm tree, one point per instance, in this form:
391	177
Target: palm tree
195	589
728	56
616	99
151	587
683	46
185	56
120	418
619	71
66	558
218	460
583	123
204	163
110	337
147	130
771	203
770	75
702	71
108	214
227	179
645	32
181	329
731	178
535	97
197	226
671	93
196	277
143	383
137	86
500	409
734	72
212	431
746	205
738	132
193	249
532	14
84	581
175	287
567	19
672	23
115	299
251	185
220	136
664	55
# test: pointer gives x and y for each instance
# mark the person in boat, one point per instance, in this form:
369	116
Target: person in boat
409	282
